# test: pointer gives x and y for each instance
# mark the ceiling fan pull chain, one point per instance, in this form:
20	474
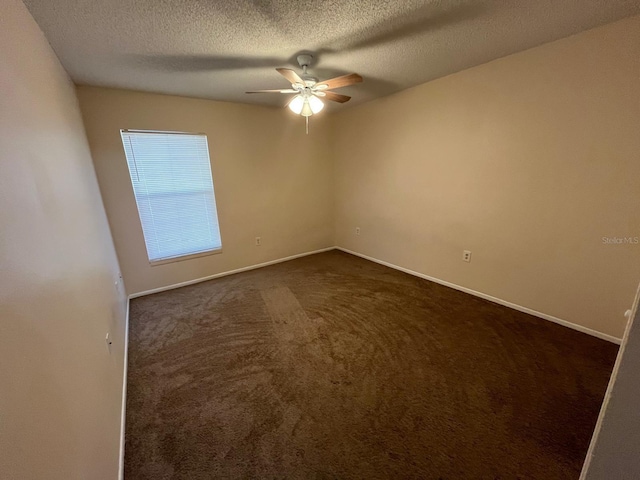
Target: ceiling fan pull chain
307	124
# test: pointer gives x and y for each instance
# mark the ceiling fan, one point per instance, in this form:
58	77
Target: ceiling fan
309	92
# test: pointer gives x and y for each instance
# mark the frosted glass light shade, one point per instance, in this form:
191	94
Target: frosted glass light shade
316	104
296	104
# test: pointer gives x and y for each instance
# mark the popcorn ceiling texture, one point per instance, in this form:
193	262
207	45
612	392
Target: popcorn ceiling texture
219	49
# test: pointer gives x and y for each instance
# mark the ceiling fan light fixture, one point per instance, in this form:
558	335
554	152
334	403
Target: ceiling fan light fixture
306	105
296	104
309	94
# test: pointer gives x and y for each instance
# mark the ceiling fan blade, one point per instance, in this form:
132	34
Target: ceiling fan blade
336	97
290	75
339	82
288	90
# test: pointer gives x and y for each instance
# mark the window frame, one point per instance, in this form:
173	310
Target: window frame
186	256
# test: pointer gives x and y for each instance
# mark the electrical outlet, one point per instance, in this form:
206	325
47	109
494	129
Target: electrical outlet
258	241
466	255
357	230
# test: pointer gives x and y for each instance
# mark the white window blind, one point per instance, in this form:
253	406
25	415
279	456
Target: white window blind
172	183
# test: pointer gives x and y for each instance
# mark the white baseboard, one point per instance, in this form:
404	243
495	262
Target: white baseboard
485	296
499	301
230	272
123	413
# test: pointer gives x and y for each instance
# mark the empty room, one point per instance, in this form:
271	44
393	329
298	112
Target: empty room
319	240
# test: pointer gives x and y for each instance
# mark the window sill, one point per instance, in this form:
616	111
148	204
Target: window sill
181	258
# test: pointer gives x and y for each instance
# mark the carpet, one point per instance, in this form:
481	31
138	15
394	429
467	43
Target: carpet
333	367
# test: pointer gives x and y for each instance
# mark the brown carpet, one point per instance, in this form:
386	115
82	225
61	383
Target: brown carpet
333	367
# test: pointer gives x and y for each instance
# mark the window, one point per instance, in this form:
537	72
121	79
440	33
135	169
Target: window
171	177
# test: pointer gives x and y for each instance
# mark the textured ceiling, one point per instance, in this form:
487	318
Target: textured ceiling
219	49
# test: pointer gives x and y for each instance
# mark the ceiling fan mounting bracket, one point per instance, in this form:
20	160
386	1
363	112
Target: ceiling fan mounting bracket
304	60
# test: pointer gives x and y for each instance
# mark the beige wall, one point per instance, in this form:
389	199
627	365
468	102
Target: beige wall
527	161
60	393
270	180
